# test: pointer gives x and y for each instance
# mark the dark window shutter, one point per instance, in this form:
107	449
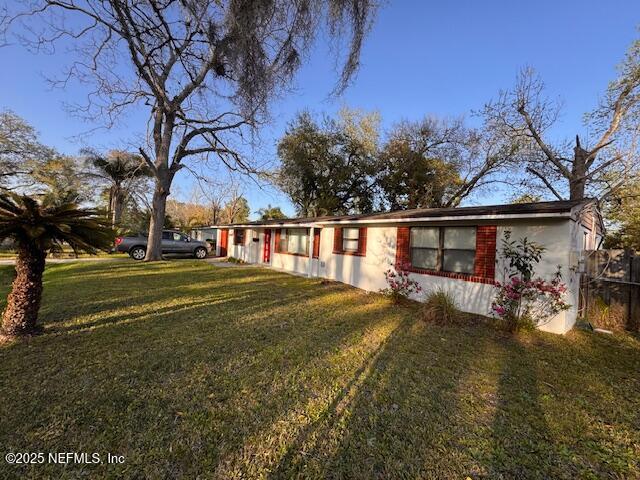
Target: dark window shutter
337	240
403	252
362	241
485	264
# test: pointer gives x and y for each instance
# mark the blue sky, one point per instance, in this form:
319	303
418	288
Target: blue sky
443	58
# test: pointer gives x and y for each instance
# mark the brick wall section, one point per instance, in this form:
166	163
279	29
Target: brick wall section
277	240
362	241
337	240
403	253
485	256
485	266
316	243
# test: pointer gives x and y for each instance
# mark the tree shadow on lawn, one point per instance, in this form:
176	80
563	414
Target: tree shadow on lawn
125	300
177	396
523	445
491	410
562	413
153	307
393	419
318	381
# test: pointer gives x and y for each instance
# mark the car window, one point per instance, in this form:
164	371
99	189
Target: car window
167	235
177	237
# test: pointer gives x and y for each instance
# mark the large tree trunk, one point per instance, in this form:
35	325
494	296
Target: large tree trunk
117	206
578	180
576	189
156	225
21	314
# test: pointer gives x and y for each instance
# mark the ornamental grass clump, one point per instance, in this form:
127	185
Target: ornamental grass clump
522	301
401	286
441	308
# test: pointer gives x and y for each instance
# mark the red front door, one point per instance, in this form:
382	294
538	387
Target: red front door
266	255
224	242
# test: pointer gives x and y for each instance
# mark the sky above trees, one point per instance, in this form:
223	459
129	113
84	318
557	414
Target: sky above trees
442	58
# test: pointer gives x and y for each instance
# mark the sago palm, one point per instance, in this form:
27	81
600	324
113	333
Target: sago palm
38	227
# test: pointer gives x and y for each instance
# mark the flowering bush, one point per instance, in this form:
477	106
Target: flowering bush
400	285
527	303
521	300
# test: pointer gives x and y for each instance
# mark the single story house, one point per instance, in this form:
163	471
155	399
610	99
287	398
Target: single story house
454	249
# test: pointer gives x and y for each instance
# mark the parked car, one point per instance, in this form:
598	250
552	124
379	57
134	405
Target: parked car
172	242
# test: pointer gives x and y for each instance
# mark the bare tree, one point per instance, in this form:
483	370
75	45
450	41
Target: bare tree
214	195
438	162
594	165
205	69
236	207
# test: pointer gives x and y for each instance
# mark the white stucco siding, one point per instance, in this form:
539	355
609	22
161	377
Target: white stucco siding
367	272
558	236
237	251
290	263
252	248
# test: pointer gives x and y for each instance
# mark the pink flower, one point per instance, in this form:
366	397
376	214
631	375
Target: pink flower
498	309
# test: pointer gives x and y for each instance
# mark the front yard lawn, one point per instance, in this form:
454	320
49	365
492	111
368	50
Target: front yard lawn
189	370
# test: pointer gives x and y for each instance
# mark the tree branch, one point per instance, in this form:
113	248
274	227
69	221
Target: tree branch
546	182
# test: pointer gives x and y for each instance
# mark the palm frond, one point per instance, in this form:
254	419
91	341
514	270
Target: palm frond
49	225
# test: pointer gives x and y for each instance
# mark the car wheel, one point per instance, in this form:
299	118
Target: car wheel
200	253
137	253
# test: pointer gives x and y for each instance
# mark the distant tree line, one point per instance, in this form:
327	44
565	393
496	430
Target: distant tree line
340	166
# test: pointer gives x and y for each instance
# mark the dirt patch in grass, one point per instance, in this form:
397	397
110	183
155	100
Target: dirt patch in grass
188	370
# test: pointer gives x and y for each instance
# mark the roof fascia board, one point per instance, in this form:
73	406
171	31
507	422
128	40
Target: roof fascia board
511	216
452	218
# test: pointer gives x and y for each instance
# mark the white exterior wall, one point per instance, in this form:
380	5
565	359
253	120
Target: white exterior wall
559	236
367	272
555	236
203	234
290	263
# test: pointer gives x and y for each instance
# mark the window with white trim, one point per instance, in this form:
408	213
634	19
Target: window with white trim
295	240
350	239
446	249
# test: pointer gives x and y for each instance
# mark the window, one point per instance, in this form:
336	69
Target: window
448	249
238	236
459	251
293	240
350	239
167	235
425	244
297	241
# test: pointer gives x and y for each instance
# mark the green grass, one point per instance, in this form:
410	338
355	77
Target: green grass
67	253
189	370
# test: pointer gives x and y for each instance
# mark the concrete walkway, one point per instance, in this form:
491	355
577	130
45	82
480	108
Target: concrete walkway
222	262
